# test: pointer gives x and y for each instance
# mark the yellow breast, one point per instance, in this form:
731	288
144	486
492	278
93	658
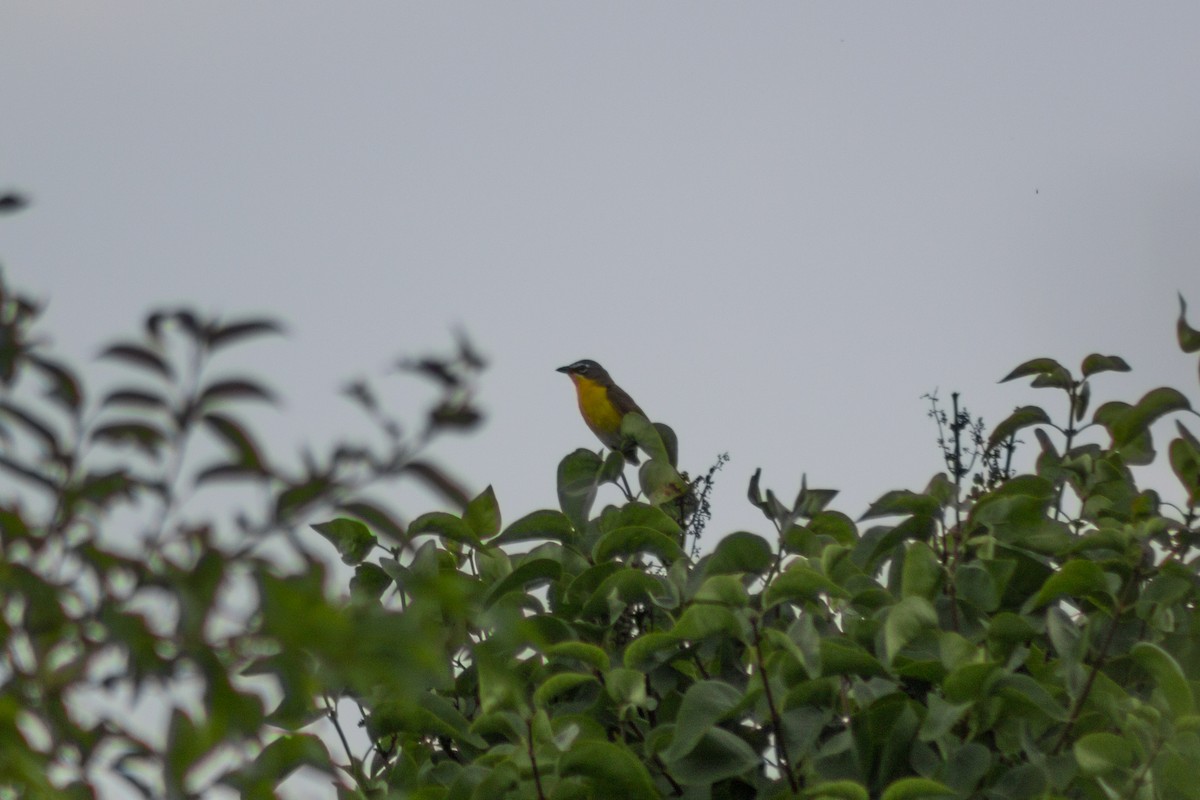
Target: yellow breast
598	412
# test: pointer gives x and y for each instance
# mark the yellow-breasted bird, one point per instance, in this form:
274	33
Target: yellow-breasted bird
603	405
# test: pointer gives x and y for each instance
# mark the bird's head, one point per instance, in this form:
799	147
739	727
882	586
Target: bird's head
586	369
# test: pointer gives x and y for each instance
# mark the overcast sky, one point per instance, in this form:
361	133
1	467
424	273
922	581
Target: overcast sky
777	225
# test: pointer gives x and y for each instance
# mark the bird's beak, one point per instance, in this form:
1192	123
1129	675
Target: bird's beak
567	370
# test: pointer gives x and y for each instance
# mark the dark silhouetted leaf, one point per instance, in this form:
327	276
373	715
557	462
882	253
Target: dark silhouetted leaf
1189	337
223	335
240	389
1023	417
1042	367
1097	363
234	435
139	356
64	386
142	435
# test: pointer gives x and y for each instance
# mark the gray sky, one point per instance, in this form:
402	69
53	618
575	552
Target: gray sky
778	225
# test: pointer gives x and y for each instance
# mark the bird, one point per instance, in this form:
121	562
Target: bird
603	405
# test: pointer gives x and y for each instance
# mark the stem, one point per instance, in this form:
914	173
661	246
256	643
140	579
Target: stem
776	721
1097	664
537	777
355	768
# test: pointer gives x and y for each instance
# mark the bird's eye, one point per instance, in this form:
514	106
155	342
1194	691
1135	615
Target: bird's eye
581	368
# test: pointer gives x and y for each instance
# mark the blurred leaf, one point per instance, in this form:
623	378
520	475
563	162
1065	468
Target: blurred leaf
223	335
134	397
1097	363
558	684
64	385
351	538
234	435
141	435
836	790
917	789
439	481
139	356
234	389
1189	337
376	517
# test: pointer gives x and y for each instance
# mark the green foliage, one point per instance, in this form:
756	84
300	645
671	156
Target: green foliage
1005	636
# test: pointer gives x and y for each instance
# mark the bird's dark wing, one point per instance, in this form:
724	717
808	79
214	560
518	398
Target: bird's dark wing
622	401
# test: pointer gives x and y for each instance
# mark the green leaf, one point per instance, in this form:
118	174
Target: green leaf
535	571
902	501
589	654
560	683
844	658
916	789
1185	461
702	621
613	771
545	524
636	427
662	483
705	703
1097	363
377	518
650	649
724	590
634	539
482	515
720	754
1153	405
624	586
1040	367
922	572
369	582
740	552
836	790
905	621
351	538
578	478
1168	676
448	526
1099	753
1023	417
800	583
1078	578
1189	337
